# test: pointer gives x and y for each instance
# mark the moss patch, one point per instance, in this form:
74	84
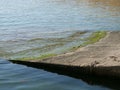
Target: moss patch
93	38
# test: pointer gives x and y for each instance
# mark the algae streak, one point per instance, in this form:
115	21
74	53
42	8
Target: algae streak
93	38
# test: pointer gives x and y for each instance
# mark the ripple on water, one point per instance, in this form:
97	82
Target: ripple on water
37	47
35	27
32	28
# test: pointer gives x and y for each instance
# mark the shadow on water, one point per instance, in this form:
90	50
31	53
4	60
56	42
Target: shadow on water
75	72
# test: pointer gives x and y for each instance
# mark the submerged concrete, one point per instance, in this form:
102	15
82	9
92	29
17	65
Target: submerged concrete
99	59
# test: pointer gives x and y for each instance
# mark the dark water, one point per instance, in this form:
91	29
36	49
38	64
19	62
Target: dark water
18	77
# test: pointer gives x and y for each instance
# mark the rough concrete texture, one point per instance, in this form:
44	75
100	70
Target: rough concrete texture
105	53
100	59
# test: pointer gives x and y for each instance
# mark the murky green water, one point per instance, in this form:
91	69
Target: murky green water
31	28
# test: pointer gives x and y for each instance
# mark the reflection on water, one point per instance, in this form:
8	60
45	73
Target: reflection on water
110	3
108	82
18	77
112	6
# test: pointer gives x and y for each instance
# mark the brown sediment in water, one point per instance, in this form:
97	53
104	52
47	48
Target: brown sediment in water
99	59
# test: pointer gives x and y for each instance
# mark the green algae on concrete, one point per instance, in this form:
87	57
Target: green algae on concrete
93	38
100	59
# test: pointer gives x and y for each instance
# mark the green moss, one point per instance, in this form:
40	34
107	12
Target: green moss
47	56
93	38
37	58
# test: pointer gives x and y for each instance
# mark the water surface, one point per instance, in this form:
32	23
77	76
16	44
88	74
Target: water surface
31	28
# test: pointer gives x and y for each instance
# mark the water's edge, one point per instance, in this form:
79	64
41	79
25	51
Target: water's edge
91	75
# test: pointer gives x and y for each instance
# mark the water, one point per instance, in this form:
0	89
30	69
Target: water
31	28
18	77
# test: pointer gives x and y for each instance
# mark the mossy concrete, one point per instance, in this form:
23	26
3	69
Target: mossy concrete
100	59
